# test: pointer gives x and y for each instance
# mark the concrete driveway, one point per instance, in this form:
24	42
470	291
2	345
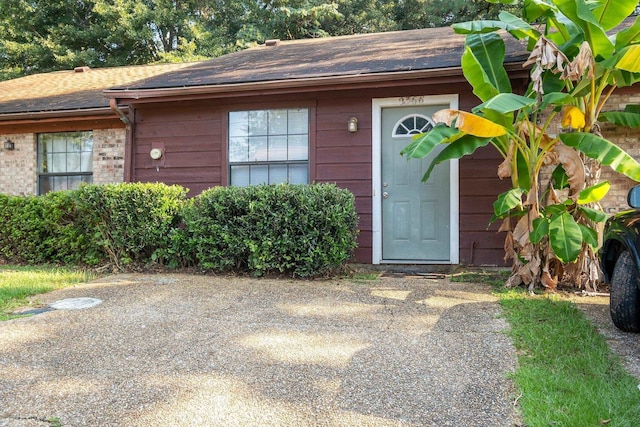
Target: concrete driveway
182	350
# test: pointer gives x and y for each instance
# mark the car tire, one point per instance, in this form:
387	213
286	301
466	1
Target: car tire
624	304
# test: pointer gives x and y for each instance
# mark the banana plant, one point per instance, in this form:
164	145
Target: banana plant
579	52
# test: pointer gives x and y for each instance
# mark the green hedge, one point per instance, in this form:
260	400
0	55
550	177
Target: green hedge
46	229
304	230
131	221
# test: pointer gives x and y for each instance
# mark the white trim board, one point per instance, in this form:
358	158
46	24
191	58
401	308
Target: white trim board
376	169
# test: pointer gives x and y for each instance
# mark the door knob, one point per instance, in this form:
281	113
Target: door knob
385	195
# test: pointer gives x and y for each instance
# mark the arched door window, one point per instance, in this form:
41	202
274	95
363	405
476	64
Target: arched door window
412	125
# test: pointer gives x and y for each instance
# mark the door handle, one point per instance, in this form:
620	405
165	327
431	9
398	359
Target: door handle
385	195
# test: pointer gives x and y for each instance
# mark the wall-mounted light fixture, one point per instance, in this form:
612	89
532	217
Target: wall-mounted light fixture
9	145
352	125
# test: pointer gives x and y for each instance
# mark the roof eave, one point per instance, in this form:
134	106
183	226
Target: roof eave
309	84
42	116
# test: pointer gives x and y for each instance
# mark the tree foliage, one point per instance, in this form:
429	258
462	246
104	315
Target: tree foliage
45	35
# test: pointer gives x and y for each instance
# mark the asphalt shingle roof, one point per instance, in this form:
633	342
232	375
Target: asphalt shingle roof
357	55
411	50
71	90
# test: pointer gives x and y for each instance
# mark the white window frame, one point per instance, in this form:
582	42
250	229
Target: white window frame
267	163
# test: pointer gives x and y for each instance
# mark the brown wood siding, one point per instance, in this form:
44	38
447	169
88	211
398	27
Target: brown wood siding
190	134
193	137
480	243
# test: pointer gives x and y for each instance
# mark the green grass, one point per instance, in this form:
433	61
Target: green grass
18	282
566	375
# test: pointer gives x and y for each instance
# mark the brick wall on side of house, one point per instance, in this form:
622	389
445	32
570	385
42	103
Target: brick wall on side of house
627	139
18	167
19	170
108	156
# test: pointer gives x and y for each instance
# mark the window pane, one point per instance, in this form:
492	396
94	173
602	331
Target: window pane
73	162
59	183
239	123
257	123
238	150
277	148
57	163
87	143
298	174
299	121
240	176
75	143
278	174
277	122
74	182
258	149
87	162
259	174
298	147
57	144
45	184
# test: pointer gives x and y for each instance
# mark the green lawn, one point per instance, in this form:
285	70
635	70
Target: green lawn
566	375
18	283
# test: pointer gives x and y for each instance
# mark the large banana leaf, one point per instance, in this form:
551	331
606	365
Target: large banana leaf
630	35
580	13
621	118
603	151
593	214
476	76
423	144
517	27
539	230
469	123
534	9
455	150
610	13
556	98
630	60
565	237
489	52
506	103
507	201
594	193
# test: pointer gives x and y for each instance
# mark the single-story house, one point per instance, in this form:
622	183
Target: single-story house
334	110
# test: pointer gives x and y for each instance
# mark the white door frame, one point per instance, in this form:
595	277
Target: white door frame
376	170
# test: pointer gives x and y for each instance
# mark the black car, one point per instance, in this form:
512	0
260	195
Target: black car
620	260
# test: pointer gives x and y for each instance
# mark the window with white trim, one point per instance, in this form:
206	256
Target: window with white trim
65	160
412	125
269	146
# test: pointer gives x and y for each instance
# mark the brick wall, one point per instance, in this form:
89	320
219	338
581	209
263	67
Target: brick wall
628	140
108	156
625	138
18	167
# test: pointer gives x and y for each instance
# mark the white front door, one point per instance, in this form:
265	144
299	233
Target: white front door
417	221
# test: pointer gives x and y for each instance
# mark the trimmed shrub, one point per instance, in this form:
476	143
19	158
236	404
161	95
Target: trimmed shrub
133	220
305	230
45	229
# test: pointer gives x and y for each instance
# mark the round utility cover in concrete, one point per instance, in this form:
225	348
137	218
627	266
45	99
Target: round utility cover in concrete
75	303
